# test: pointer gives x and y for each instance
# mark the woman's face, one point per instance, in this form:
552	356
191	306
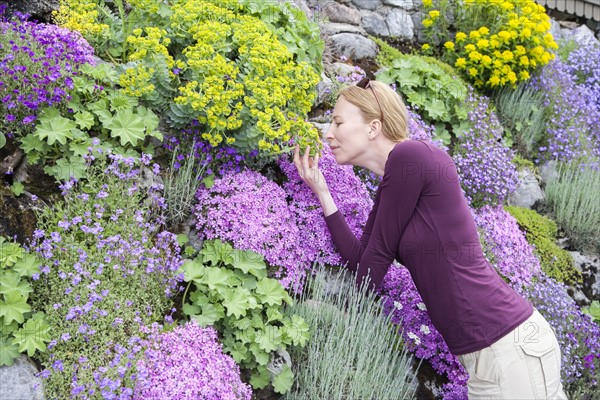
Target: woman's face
348	135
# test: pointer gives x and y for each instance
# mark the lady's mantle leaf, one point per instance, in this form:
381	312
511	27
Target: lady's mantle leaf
126	126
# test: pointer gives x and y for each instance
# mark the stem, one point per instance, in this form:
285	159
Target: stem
185	294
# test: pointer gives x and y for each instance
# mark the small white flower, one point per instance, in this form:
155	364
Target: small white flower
425	329
415	338
398	305
421	306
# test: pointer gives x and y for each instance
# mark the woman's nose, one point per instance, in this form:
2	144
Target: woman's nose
329	133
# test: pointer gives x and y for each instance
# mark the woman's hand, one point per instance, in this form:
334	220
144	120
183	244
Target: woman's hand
308	169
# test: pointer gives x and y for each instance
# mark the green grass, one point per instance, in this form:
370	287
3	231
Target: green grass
180	188
573	199
354	351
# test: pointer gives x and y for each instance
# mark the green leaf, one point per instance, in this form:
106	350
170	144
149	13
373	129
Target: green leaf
191	309
2	140
271	292
8	352
236	302
211	313
65	169
54	128
150	121
436	109
217	278
182	239
126	126
273	314
10	253
261	356
209	181
260	377
193	270
216	251
33	335
283	381
85	119
239	352
17	188
251	262
297	330
269	339
14	307
31	143
10	281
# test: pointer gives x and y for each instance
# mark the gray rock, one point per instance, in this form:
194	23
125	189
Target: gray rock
324	89
367	4
40	9
584	35
403	4
332	28
321	127
555	29
279	358
374	24
353	46
590	270
18	382
400	24
528	191
340	13
342	69
549	171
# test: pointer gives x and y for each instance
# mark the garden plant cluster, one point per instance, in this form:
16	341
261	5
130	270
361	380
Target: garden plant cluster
182	256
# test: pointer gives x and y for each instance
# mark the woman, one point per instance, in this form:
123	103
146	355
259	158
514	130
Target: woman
421	218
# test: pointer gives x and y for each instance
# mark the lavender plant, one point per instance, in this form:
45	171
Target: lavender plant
572	197
482	161
187	362
107	271
37	65
354	352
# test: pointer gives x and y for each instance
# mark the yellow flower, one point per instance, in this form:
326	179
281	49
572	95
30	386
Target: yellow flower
494	81
513	23
433	14
523	75
425	47
494	43
524	61
526	33
427	22
486	60
473	71
470	47
507	6
460	36
449	45
427	3
474	35
475	56
483	43
460	63
507	55
484	30
504	35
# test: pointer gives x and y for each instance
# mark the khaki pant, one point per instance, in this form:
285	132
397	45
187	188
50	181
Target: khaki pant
524	364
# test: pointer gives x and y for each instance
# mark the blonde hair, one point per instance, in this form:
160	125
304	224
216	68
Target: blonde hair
393	109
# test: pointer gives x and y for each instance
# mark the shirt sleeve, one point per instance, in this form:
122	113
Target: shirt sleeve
399	192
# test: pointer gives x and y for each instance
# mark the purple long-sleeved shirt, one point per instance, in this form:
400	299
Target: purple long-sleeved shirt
421	218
